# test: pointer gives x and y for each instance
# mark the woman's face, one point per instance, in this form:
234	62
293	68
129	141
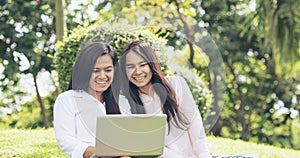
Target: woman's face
138	71
102	76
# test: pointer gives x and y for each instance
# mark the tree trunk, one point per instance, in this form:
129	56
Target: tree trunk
189	35
41	103
217	129
60	21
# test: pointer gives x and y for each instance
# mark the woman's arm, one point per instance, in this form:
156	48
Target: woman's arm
195	130
64	126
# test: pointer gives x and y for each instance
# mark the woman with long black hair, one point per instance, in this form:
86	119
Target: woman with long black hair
149	91
93	91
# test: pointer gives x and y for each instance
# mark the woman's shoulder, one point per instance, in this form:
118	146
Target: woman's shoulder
66	93
174	80
178	84
70	94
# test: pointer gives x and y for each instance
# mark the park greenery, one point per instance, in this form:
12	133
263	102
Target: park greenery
117	36
240	58
41	143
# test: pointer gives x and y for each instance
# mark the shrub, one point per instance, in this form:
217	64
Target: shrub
118	35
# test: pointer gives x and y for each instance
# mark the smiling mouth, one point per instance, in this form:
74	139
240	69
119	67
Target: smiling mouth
102	83
139	78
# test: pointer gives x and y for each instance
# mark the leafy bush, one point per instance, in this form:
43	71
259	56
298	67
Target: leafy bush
28	115
117	35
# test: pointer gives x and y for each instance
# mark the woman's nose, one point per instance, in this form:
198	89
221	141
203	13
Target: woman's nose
101	74
138	70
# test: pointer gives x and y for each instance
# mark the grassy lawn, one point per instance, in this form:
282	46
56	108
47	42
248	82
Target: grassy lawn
42	143
223	146
29	144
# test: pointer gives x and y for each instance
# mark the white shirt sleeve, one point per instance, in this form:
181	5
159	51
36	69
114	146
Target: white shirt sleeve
65	127
195	130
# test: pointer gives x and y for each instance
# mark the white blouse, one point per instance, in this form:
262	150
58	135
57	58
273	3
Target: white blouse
75	113
190	143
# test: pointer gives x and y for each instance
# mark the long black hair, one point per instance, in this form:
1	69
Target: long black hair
83	68
165	92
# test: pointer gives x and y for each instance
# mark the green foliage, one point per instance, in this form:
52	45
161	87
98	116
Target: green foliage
256	97
116	35
28	116
26	35
249	42
27	42
281	22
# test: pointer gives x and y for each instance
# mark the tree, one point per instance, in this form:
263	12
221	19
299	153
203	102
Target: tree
281	21
27	36
60	20
179	22
258	101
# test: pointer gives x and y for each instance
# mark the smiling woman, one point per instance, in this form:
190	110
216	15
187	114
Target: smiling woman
90	95
138	72
102	77
149	91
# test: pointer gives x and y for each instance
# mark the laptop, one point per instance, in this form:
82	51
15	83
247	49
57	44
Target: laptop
130	135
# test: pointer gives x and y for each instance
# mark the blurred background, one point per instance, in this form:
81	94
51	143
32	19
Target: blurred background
245	53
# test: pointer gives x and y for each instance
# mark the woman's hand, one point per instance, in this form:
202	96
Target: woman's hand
89	151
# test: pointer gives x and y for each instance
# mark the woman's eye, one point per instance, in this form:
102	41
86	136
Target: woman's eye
143	64
95	70
108	70
130	66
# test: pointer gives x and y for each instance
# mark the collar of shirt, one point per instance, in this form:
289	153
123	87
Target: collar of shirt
152	105
146	98
85	96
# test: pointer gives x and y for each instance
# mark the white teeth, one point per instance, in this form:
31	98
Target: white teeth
101	82
139	78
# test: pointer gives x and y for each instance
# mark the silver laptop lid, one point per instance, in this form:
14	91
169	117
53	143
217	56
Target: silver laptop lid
131	135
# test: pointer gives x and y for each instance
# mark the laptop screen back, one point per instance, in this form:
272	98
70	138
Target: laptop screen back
130	135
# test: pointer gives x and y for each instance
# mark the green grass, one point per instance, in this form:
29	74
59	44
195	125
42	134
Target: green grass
223	146
29	144
42	143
